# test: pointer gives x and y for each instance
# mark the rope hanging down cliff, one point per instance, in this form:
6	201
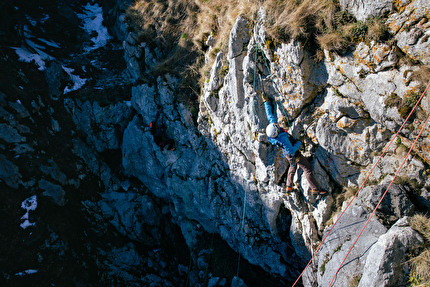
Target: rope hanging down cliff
361	186
249	153
379	203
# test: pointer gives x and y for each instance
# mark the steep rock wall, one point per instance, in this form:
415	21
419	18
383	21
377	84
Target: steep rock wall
222	176
341	103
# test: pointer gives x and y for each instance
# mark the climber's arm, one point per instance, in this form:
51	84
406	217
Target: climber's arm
270	117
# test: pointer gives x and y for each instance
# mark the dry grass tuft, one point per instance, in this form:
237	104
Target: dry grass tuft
421	269
422	76
421	224
332	41
377	30
345	195
180	28
420	273
300	19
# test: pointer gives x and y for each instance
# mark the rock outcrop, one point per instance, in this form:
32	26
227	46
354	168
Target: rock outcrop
386	263
363	10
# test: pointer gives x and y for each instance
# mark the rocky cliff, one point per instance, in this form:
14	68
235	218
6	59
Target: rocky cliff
114	178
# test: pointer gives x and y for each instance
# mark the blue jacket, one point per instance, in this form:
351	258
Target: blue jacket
288	143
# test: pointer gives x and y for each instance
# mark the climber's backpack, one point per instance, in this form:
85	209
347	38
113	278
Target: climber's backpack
292	140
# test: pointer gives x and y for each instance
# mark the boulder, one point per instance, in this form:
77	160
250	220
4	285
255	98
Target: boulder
55	78
103	125
340	240
126	211
394	206
387	262
10	134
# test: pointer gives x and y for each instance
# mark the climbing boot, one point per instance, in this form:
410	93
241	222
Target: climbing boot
319	192
288	190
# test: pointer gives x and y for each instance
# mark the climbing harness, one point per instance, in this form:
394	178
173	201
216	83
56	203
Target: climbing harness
361	186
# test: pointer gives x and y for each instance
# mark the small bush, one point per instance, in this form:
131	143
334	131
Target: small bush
407	181
409	101
359	31
355	281
343	17
393	100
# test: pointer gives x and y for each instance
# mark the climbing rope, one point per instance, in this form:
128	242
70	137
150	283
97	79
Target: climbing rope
379	203
249	153
361	186
259	48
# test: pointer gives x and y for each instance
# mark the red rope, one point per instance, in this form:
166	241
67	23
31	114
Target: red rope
379	203
361	186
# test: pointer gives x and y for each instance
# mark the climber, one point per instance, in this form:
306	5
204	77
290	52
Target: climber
290	147
158	131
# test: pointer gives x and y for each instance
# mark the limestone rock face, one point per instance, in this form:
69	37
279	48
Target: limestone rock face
363	10
340	107
9	172
110	121
386	264
209	169
340	241
411	29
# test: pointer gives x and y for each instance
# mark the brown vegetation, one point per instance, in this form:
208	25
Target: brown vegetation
420	273
182	27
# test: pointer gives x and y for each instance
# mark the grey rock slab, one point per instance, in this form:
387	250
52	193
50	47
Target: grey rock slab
387	262
364	9
338	243
53	191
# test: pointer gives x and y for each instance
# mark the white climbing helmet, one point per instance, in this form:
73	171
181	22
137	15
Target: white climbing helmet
272	130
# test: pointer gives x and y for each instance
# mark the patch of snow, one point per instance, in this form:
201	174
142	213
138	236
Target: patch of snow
28	204
26	272
28	57
35	54
78	82
93	22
